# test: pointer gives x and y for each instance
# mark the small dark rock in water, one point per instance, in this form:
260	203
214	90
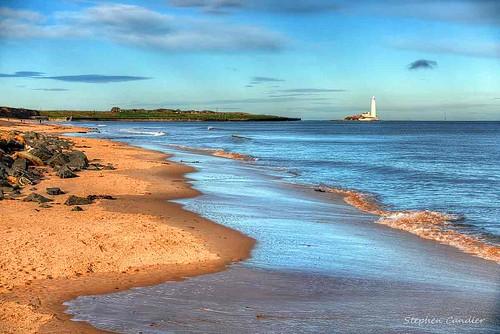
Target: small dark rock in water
55	191
34	197
320	190
77	208
75	200
65	172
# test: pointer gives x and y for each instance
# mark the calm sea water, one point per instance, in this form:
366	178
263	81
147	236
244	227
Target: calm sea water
450	167
320	266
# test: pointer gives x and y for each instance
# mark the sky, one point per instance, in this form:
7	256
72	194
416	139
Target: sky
315	59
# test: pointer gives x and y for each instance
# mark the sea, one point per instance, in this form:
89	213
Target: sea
417	228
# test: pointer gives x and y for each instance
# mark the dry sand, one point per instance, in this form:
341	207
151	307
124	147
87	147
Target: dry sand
50	255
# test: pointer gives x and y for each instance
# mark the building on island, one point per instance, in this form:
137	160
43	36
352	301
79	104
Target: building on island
367	116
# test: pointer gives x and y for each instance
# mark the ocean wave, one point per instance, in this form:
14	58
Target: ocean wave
429	225
216	152
144	133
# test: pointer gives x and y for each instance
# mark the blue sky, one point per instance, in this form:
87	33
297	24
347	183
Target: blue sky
316	59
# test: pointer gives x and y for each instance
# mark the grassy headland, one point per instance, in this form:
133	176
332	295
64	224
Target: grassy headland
159	115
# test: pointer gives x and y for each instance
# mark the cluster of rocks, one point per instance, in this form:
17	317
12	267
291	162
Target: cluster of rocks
25	157
73	200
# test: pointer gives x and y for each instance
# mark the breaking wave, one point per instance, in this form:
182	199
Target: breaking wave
429	225
216	153
144	133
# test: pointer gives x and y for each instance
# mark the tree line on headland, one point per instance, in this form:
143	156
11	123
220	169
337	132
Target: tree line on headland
118	114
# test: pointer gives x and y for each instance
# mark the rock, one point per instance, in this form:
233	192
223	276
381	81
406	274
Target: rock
42	152
75	200
55	191
19	166
45	206
28	156
77	208
94	197
65	172
78	160
1	195
34	197
58	160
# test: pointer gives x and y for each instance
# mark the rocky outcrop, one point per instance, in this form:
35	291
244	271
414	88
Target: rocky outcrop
22	113
25	157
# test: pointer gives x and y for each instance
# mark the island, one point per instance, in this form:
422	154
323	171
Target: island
118	114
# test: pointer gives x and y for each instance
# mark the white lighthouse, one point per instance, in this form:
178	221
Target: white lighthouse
373	108
372	115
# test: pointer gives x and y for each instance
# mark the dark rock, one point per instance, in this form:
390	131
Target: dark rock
45	206
58	160
94	197
42	152
65	172
77	208
1	195
78	160
34	197
55	191
75	200
19	167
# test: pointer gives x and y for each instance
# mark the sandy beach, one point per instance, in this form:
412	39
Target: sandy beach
50	255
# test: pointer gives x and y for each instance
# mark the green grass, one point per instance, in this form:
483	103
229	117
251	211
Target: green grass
159	114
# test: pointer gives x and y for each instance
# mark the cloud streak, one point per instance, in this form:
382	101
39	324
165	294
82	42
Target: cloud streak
95	78
52	89
422	64
140	27
262	80
82	78
276	6
22	74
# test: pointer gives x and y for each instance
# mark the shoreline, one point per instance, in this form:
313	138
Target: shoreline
182	243
426	224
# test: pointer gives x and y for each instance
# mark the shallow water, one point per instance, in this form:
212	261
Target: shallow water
449	167
319	266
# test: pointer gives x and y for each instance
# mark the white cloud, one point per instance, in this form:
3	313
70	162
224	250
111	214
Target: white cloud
138	26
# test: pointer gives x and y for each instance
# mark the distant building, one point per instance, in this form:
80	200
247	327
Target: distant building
367	116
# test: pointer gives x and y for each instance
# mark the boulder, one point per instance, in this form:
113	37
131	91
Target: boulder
58	160
65	172
42	152
54	191
77	208
34	197
19	167
76	200
77	159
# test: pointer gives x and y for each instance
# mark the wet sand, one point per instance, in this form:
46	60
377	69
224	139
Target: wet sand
50	255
